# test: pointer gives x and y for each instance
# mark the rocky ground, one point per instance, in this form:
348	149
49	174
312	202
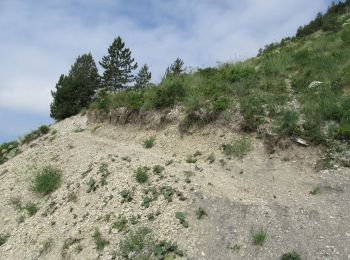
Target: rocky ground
239	196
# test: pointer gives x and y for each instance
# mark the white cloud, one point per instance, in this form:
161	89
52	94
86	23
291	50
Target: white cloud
39	40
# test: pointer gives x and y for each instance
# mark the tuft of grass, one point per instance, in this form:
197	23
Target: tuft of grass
158	169
149	142
239	148
315	191
141	175
120	223
291	256
211	158
182	218
127	195
47	180
31	208
168	193
91	185
136	243
3	238
46	246
44	129
100	242
201	213
259	236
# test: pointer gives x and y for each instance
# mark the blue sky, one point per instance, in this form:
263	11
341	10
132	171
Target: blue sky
40	39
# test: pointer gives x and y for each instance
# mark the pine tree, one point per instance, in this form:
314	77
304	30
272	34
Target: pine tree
143	78
175	69
118	66
75	91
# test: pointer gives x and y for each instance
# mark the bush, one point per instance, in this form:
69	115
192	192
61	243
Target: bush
100	242
169	92
252	110
287	123
141	175
8	150
136	243
47	180
239	148
345	36
44	129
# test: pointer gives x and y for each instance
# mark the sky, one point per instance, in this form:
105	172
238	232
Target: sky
40	40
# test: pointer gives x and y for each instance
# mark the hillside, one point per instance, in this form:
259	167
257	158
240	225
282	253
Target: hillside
248	160
238	195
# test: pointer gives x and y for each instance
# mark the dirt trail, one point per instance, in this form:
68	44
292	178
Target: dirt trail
239	196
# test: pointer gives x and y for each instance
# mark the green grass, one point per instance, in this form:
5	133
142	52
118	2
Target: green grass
141	175
42	130
127	195
291	256
259	236
149	142
239	148
158	169
47	180
136	242
120	224
31	208
100	242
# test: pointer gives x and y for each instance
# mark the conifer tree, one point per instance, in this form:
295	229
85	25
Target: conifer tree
175	69
75	91
143	78
118	66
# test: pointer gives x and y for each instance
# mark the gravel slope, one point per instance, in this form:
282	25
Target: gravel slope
239	197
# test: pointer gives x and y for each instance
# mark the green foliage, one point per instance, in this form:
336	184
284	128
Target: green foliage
315	191
164	249
127	195
118	66
175	69
158	169
8	150
31	208
239	148
100	242
141	175
143	78
287	123
182	218
149	142
211	158
120	224
345	36
44	129
259	236
75	91
291	256
168	193
47	180
3	238
136	243
91	185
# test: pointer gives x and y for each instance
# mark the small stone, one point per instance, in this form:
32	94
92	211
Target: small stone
7	248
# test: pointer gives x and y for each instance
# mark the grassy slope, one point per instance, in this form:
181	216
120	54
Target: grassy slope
272	89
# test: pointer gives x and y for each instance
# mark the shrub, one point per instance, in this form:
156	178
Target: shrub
158	169
182	218
47	180
44	129
31	208
291	256
120	224
149	142
287	123
252	110
141	175
8	150
239	148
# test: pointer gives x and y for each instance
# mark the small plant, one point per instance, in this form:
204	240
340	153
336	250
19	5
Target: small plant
168	193
136	243
315	191
191	159
3	238
141	175
164	249
146	201
134	220
91	185
46	246
211	158
31	208
291	256
259	236
120	224
149	142
201	213
158	169
100	242
239	148
47	180
127	195
44	129
182	218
